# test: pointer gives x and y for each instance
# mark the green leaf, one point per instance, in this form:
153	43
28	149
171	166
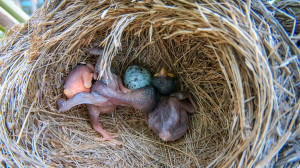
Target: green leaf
2	29
14	10
1	35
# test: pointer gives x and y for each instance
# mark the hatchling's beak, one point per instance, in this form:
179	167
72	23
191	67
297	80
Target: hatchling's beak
164	73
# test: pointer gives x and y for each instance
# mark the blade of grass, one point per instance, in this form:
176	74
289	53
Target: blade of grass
14	10
1	35
2	28
7	20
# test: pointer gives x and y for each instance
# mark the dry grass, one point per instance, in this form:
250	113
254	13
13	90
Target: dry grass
242	70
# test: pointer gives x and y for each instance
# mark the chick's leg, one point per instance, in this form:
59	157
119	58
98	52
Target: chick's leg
90	66
189	106
194	106
122	87
81	98
94	112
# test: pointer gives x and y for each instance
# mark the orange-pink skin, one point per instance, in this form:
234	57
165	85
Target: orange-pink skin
79	80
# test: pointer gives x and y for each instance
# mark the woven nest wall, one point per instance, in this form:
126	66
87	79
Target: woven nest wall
232	56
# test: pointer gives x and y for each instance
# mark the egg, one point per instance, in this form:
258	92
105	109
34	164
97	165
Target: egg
136	77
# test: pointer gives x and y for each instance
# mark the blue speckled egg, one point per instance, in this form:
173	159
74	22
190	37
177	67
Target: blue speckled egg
136	77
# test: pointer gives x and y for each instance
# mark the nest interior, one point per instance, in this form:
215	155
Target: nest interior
242	74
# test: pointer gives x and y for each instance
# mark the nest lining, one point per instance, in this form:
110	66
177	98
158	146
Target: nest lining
247	106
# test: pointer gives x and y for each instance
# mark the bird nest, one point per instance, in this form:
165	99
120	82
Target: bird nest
234	58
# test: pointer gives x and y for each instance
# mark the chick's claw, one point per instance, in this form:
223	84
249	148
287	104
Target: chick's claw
112	140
